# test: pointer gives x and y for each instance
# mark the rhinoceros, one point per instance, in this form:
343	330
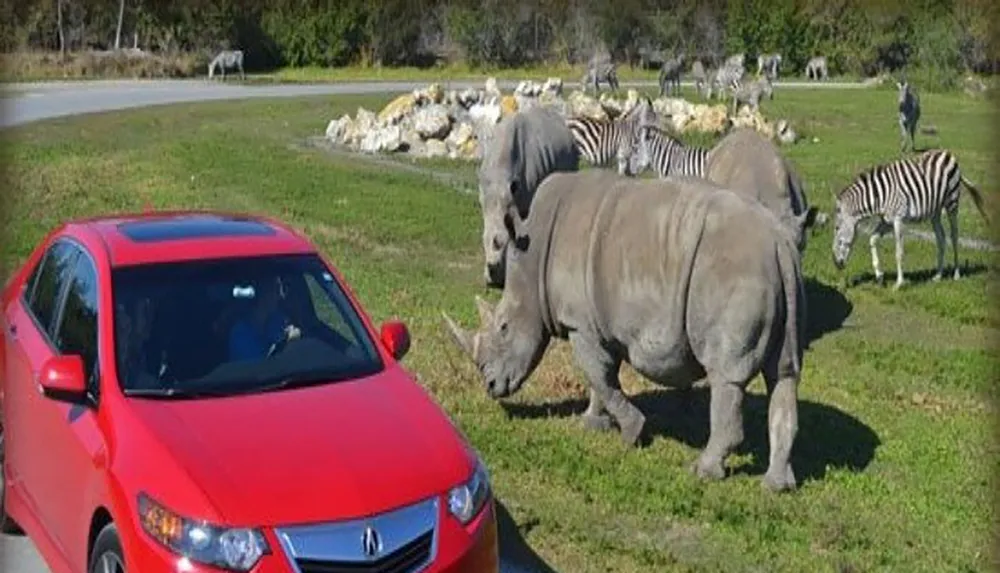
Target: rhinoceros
525	148
747	162
684	280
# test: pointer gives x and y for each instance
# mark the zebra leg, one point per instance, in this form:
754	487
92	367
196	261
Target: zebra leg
897	231
953	227
902	133
939	239
880	230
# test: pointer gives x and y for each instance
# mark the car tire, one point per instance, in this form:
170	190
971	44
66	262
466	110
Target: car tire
7	524
106	556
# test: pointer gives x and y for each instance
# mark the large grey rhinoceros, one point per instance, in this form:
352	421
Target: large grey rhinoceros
747	162
681	278
525	148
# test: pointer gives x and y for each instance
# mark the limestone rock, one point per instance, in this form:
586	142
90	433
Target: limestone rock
397	109
432	122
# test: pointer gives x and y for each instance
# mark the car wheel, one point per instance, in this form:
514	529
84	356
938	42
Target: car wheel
7	524
106	557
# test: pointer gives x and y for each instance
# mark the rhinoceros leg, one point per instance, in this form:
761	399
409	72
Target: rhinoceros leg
596	417
782	425
601	369
726	422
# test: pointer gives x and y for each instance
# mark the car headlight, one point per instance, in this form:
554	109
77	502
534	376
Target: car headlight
235	549
466	500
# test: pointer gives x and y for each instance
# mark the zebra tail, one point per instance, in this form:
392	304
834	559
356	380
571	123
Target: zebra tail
977	198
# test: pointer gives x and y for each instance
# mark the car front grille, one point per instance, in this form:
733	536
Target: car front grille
407	559
403	540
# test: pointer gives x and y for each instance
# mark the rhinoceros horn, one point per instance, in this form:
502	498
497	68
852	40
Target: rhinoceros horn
485	310
464	339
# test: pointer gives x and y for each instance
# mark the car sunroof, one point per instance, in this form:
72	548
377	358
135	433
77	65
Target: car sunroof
192	227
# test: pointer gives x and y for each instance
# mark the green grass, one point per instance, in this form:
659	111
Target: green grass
895	452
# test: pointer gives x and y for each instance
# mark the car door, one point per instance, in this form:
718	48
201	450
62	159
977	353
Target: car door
29	318
74	445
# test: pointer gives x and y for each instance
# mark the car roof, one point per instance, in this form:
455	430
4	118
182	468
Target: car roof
170	236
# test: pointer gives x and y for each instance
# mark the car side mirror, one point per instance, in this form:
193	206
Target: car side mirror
61	378
396	338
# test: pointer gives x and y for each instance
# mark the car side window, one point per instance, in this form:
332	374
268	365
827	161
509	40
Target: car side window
77	332
55	271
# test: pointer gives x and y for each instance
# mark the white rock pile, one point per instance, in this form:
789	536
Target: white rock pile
431	122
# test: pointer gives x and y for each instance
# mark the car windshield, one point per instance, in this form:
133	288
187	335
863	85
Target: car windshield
235	326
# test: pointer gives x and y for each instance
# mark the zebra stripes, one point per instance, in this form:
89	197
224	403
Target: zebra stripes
910	189
655	149
750	93
603	141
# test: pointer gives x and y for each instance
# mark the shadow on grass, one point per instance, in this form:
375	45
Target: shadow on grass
827	309
516	556
827	437
921	276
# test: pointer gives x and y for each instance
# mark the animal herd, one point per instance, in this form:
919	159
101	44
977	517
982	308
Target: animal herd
692	278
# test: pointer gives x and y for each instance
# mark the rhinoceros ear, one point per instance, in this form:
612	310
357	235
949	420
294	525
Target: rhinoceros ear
808	218
515	229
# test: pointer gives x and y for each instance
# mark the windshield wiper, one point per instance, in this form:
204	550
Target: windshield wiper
172	393
298	381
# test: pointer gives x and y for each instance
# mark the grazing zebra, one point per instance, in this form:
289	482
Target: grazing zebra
227	59
910	189
603	141
655	148
769	64
909	113
670	73
600	71
816	67
750	92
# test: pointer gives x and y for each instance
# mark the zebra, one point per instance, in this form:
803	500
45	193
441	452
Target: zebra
227	59
735	61
600	70
750	92
769	64
603	141
655	148
816	68
670	72
909	189
909	113
725	77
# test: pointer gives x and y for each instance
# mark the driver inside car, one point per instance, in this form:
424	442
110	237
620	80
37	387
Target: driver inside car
255	335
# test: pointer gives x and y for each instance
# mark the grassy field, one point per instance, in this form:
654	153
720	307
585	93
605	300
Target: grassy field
895	454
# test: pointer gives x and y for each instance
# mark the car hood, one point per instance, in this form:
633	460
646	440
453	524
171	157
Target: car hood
321	453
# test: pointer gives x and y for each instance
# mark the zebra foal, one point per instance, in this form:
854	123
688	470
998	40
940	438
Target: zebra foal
654	148
602	142
910	189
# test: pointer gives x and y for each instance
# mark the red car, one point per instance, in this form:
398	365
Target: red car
202	392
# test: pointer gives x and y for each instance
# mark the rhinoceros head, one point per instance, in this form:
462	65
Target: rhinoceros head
512	337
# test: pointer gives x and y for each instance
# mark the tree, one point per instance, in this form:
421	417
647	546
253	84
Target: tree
121	17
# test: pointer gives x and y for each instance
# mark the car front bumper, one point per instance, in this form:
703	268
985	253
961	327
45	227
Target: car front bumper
473	548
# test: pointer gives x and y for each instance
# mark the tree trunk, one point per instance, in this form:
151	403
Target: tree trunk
121	17
59	23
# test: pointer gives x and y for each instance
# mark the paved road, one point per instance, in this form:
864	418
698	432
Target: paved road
28	102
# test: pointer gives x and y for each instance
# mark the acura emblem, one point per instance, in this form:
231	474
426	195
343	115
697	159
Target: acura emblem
370	542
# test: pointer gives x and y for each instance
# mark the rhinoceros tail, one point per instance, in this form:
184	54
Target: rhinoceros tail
794	339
